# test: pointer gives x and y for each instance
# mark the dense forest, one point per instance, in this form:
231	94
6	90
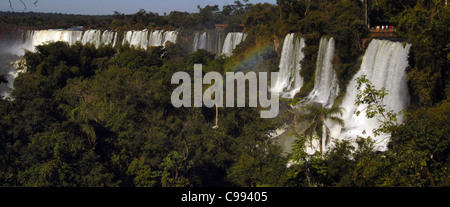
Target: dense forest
87	116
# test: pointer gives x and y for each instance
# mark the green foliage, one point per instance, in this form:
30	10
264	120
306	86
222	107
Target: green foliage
261	21
174	168
86	116
426	134
308	62
96	118
427	28
316	116
373	100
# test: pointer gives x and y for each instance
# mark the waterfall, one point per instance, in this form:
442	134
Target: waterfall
200	41
289	81
12	49
384	64
138	39
207	40
96	37
109	38
326	85
92	37
231	41
156	38
159	38
169	36
40	37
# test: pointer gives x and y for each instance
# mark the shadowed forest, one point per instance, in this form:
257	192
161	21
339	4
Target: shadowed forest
81	115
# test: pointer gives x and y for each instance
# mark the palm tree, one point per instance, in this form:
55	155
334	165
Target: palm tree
316	116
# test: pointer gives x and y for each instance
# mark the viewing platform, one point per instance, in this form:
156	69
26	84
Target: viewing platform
221	27
383	33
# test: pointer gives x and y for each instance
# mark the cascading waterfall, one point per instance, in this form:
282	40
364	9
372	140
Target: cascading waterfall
289	81
207	40
384	64
109	37
93	37
231	41
40	37
155	38
326	85
200	41
144	38
8	71
138	39
169	36
13	49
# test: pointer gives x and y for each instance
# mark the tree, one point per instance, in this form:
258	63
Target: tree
427	28
175	166
373	100
316	117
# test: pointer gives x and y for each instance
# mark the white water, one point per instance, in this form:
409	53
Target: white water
207	40
200	41
384	64
109	38
231	41
91	36
289	81
28	40
138	38
144	38
34	38
326	86
169	36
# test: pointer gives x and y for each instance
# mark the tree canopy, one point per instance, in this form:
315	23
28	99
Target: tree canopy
87	116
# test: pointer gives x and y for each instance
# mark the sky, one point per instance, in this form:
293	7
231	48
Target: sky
101	7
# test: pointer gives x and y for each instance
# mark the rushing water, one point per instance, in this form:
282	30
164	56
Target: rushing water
289	81
12	48
231	41
384	64
137	38
210	41
326	86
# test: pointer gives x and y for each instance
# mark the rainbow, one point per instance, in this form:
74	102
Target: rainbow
249	58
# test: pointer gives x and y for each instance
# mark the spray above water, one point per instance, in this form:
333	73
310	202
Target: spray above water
384	64
137	38
13	49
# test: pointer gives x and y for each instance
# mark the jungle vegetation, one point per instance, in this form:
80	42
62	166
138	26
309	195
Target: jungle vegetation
86	116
